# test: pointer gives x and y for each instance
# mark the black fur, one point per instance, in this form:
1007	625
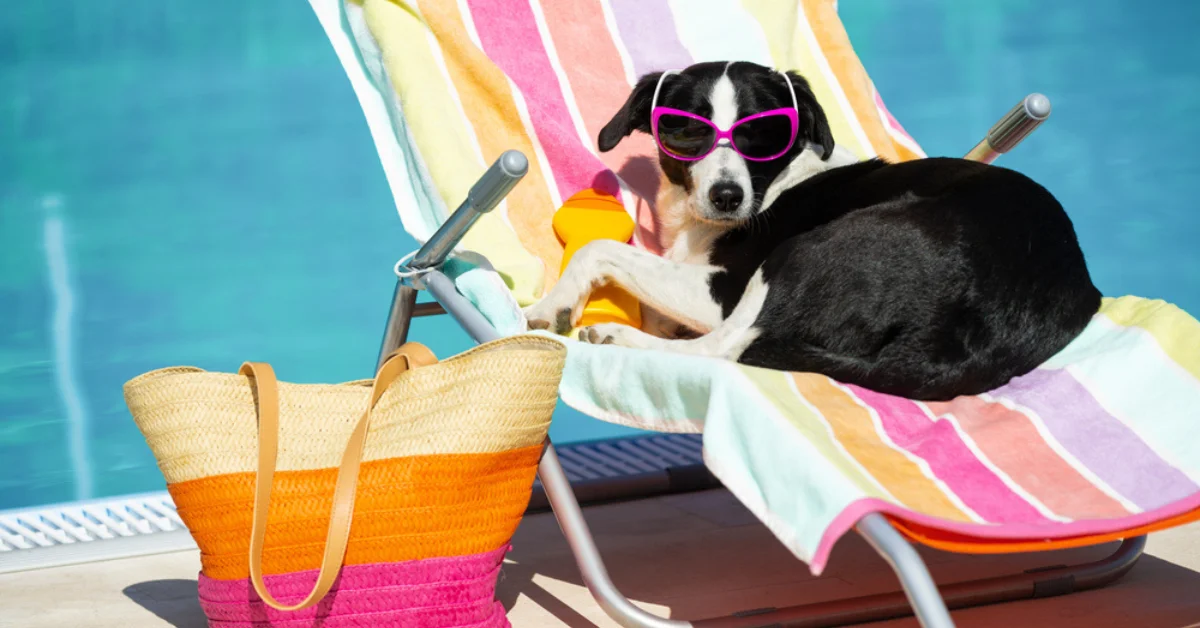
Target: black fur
926	279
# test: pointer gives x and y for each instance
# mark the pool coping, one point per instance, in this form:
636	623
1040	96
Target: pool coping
56	535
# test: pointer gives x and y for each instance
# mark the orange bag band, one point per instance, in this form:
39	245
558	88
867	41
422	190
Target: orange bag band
408	356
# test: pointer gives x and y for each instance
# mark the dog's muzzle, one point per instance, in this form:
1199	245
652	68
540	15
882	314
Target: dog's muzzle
726	197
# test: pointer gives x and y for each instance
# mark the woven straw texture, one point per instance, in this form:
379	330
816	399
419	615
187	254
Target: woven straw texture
449	463
493	398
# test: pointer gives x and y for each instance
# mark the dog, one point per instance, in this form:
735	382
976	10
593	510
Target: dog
926	279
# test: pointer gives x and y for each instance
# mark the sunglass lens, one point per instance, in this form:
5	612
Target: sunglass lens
763	137
684	136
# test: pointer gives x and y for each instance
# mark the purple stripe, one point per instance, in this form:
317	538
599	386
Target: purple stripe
1105	445
647	30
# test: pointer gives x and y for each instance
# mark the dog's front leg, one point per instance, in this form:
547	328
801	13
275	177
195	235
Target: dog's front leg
679	291
727	340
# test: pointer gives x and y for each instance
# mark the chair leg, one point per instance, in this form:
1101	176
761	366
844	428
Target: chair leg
922	593
400	315
583	547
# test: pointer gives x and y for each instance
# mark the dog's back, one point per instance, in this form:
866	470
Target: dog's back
930	278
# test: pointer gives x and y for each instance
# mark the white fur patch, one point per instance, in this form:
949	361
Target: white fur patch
723	165
723	99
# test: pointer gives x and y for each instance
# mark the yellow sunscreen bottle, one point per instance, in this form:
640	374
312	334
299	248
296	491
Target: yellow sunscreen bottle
593	215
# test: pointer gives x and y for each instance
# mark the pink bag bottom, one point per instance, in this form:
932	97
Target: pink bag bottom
453	592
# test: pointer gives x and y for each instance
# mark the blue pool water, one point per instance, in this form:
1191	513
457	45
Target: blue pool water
195	184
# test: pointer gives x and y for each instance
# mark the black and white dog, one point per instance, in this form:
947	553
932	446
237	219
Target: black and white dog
926	279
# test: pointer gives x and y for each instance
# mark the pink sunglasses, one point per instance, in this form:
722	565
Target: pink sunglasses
689	137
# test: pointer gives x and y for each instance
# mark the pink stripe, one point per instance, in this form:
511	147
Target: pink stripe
590	58
453	591
891	120
949	458
510	38
1012	442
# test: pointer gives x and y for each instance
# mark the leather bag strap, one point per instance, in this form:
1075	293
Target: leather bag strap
409	356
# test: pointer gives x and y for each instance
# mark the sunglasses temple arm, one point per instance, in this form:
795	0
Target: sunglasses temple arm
664	75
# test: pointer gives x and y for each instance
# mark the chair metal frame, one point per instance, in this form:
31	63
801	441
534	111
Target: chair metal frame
920	596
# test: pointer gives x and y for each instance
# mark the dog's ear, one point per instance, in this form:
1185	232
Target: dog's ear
812	115
634	115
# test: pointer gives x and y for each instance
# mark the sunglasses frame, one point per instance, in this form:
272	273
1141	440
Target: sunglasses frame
723	137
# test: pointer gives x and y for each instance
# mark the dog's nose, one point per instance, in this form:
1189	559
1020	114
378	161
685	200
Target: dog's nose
726	197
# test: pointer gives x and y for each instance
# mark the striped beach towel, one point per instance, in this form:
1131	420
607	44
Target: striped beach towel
1100	442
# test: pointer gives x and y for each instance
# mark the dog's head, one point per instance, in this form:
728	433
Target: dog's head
725	179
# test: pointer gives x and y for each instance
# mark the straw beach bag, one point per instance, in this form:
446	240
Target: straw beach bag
385	502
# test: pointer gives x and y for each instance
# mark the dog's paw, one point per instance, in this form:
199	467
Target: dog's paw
607	334
542	315
595	334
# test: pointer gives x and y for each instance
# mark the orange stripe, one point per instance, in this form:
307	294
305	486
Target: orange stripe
854	429
852	76
952	542
904	153
405	509
488	102
1013	444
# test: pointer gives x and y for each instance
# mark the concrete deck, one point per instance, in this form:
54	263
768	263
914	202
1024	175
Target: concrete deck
687	556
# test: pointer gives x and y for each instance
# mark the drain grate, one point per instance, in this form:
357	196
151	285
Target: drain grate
629	456
137	525
80	523
64	534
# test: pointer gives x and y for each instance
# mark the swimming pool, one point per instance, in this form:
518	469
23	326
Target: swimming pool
195	184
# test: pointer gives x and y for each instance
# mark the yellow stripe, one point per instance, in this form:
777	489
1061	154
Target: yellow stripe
775	386
1177	333
792	47
441	100
425	96
852	76
493	104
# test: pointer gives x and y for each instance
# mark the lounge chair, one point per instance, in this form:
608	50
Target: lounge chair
449	87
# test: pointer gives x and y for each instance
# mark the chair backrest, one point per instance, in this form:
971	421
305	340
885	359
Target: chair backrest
457	82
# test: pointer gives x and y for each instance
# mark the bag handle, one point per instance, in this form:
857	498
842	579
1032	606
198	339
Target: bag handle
409	356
